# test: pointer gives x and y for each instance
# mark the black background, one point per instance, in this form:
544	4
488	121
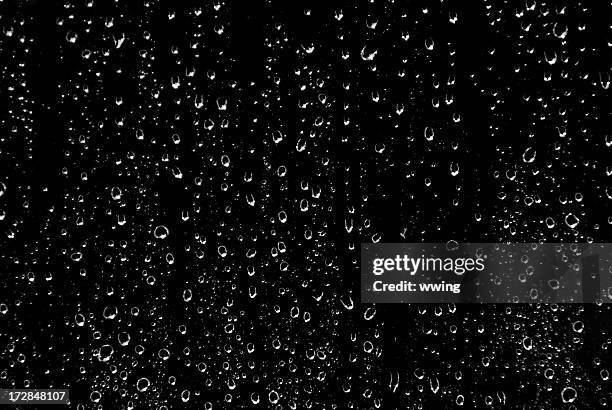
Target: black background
490	65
